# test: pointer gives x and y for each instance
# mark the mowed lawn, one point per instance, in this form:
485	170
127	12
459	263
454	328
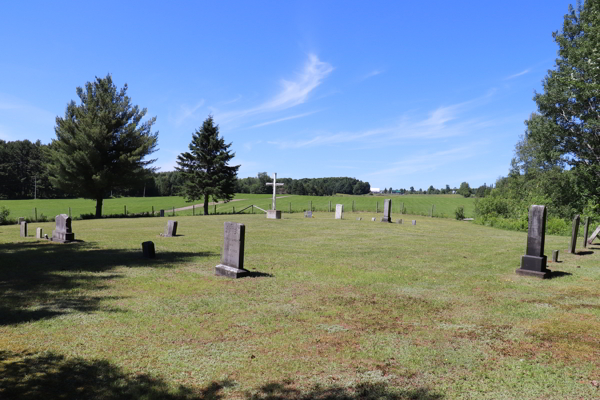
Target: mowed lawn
335	309
445	205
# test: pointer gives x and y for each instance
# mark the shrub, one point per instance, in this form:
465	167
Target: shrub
460	213
4	213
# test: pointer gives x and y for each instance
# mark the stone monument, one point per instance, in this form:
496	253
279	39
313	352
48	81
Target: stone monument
399	221
24	229
39	233
387	211
574	232
373	219
63	232
171	229
308	214
232	258
414	221
162	213
533	263
273	213
339	211
148	249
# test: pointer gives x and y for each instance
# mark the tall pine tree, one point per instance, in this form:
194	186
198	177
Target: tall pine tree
101	144
205	167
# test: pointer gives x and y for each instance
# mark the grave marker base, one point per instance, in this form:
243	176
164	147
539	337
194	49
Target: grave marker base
273	214
61	237
230	272
534	266
386	219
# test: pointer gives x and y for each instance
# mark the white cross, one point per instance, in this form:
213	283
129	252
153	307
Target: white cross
274	184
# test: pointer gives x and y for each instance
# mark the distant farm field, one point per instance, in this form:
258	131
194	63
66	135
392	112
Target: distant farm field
444	205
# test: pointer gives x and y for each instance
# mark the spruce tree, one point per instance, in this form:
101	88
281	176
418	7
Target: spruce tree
101	143
205	168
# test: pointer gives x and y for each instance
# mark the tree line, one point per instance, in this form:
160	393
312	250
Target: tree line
557	159
306	186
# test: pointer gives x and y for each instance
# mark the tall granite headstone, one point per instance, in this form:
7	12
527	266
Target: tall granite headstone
387	211
586	231
63	232
23	229
533	263
171	229
232	258
339	211
574	232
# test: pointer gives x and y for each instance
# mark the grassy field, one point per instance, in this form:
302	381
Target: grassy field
413	204
335	309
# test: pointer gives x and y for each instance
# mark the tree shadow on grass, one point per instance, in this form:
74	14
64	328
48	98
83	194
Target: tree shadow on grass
362	391
50	376
40	280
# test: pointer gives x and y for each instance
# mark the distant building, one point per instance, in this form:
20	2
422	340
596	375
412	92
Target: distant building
375	190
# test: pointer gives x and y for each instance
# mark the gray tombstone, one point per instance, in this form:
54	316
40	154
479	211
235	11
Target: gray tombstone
23	229
273	214
171	229
399	221
339	211
555	256
232	259
574	232
148	249
39	233
359	219
533	263
63	232
162	213
586	231
387	211
308	214
373	219
596	232
414	221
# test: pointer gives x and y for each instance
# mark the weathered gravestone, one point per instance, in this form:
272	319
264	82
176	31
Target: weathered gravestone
586	231
162	213
171	229
39	233
63	232
574	232
148	249
399	221
387	211
555	256
359	219
533	263
232	259
414	221
308	214
339	211
596	232
23	229
373	219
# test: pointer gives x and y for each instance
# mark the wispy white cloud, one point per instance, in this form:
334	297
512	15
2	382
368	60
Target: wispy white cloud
186	112
371	74
293	92
443	122
283	119
518	74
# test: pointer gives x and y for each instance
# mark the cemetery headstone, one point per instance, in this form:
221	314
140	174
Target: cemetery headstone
387	211
414	221
555	256
308	214
273	213
39	234
359	219
533	263
63	232
23	229
399	221
596	232
148	249
232	258
339	211
586	231
373	219
171	229
162	213
574	232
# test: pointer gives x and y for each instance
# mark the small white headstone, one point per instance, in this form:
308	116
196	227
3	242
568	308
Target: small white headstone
339	211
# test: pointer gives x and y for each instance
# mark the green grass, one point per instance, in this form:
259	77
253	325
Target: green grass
413	204
335	309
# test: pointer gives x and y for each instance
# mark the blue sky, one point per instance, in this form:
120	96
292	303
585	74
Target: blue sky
395	93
